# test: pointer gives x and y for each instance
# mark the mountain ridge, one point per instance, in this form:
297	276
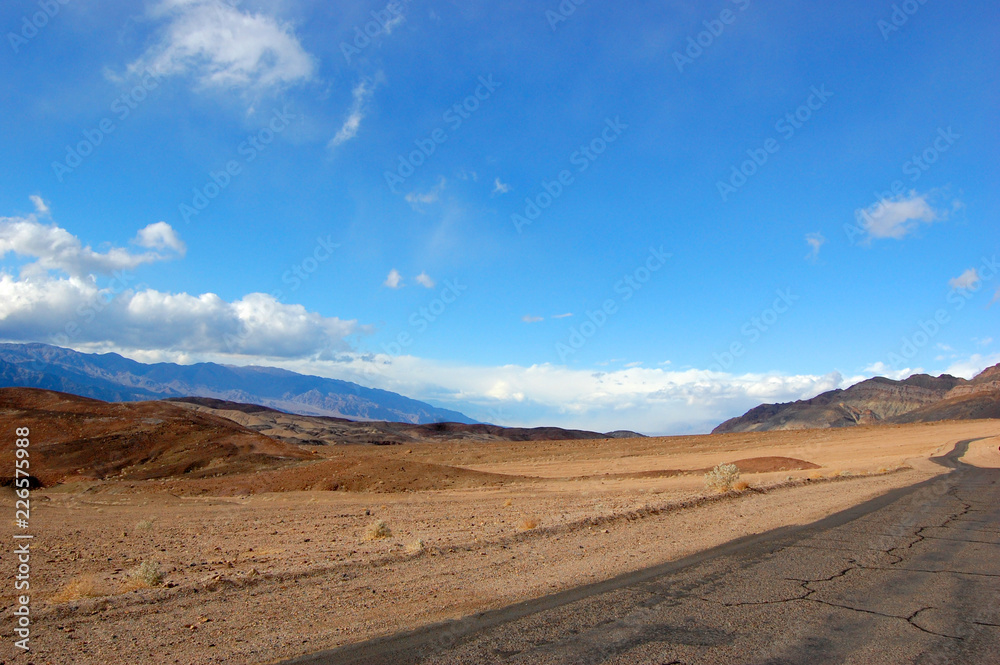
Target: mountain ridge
918	398
114	378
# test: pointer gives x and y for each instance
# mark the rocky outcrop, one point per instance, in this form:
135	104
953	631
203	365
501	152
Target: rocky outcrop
920	398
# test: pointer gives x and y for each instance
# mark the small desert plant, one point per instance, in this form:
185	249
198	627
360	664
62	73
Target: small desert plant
82	586
528	524
722	477
144	525
416	547
741	486
145	576
378	530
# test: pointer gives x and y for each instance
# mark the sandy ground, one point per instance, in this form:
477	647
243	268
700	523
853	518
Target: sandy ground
253	579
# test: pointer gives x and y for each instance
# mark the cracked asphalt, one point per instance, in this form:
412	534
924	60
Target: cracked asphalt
910	577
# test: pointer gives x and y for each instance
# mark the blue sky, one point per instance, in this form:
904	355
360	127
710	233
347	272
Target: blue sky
534	214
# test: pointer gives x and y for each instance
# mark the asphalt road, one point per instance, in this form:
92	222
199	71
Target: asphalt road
910	577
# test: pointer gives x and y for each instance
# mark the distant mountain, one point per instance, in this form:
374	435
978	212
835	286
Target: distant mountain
920	398
113	378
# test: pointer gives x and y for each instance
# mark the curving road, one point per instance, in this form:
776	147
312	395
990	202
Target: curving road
910	577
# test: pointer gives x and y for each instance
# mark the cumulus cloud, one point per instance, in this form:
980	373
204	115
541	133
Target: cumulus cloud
967	280
424	280
75	311
973	365
649	400
72	295
899	216
394	279
55	248
224	47
815	242
160	235
360	96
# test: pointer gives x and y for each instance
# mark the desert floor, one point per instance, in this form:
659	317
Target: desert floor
255	576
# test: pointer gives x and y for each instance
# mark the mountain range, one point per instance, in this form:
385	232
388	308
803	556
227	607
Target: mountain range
113	378
919	398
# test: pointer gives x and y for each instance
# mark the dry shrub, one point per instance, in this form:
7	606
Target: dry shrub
81	586
378	530
144	525
741	486
815	475
528	524
722	477
416	547
144	576
882	469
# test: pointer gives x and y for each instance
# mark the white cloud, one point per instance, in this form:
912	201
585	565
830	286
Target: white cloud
562	316
967	280
986	341
361	94
423	279
815	242
528	318
416	199
41	305
75	311
224	47
41	208
394	280
55	248
899	216
881	369
649	400
160	235
973	365
500	187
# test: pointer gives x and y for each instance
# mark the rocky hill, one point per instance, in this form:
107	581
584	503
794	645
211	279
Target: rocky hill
920	398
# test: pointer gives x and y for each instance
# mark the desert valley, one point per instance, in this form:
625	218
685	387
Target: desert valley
206	531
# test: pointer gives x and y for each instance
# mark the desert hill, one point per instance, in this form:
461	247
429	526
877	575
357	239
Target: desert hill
113	378
320	430
80	438
919	398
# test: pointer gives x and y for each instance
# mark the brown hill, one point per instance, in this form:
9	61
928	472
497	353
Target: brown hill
79	438
919	398
325	430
